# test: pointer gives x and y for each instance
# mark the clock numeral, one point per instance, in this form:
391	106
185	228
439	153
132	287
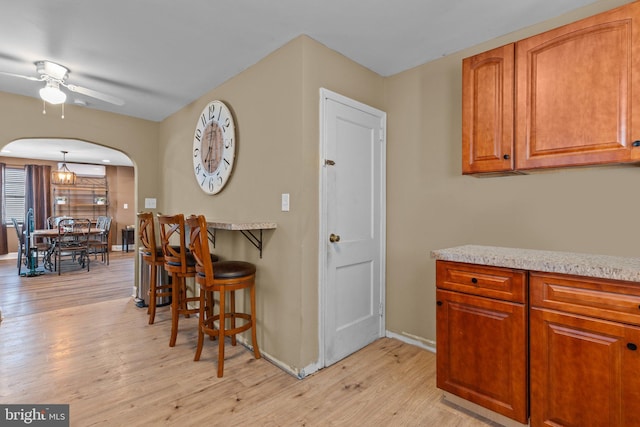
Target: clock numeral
196	152
226	124
203	119
228	143
198	169
211	184
226	164
212	111
198	134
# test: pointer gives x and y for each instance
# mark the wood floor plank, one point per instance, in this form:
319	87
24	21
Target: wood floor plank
80	339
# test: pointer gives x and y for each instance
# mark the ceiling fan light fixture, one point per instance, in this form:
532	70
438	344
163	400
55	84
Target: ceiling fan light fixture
52	94
63	176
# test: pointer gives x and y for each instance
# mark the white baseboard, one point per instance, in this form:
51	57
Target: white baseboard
413	340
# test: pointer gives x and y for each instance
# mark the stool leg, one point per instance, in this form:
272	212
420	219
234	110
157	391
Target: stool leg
221	333
210	306
201	324
232	315
254	339
152	294
176	302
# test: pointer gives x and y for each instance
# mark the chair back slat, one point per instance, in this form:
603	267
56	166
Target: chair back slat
172	231
199	245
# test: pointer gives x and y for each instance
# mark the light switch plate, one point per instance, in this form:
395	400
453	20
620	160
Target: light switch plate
285	202
149	203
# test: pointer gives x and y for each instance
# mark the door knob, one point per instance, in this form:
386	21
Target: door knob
333	238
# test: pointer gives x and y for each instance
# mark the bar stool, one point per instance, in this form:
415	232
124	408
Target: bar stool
152	255
179	263
221	277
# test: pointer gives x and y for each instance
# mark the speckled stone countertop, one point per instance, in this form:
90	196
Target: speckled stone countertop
602	266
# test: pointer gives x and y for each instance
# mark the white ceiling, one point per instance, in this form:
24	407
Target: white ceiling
160	55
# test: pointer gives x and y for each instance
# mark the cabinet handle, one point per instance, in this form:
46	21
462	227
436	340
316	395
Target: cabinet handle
631	346
636	143
439	302
507	157
474	280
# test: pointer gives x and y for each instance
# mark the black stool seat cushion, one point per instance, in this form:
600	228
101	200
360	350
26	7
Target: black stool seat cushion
232	269
191	261
159	253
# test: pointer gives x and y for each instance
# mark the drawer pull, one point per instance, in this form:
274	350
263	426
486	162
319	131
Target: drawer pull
474	280
632	346
439	303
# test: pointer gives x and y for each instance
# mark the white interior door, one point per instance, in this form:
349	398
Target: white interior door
352	226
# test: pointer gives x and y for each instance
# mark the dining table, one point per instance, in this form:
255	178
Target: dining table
51	235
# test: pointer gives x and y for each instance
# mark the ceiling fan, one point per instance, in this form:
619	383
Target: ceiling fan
55	75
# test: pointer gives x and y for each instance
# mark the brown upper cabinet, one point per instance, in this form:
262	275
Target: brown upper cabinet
487	111
561	98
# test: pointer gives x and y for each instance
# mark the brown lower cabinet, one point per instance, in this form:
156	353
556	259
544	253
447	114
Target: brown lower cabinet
482	340
545	348
584	351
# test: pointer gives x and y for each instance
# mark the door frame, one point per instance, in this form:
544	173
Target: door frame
326	95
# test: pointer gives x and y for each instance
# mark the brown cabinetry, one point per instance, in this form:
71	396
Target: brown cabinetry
584	351
481	323
488	110
574	93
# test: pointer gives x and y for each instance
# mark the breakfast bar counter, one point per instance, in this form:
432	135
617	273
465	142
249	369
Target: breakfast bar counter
247	228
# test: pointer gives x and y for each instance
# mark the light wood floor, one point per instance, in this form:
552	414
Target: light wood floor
80	339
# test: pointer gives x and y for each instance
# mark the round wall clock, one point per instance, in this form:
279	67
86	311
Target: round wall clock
214	147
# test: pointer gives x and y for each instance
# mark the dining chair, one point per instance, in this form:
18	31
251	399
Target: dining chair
22	254
72	242
222	277
100	238
153	256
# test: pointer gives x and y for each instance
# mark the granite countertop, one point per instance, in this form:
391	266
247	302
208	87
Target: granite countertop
600	266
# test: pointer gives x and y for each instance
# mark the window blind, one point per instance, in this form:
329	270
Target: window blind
13	194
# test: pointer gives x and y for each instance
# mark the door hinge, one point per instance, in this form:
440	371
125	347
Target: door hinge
328	162
380	310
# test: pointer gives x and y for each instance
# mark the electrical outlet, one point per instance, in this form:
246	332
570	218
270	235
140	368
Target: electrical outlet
126	206
285	202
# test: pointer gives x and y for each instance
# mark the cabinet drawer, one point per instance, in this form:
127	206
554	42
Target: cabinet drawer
493	282
600	298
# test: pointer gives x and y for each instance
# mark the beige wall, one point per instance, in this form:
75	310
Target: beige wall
276	106
22	118
430	205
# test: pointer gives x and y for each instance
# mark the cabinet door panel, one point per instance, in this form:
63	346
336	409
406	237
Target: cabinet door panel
575	88
582	373
487	111
482	352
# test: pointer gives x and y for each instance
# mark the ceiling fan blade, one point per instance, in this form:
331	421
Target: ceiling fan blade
35	79
95	94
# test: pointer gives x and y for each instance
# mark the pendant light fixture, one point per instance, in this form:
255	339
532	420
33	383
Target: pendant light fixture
63	176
